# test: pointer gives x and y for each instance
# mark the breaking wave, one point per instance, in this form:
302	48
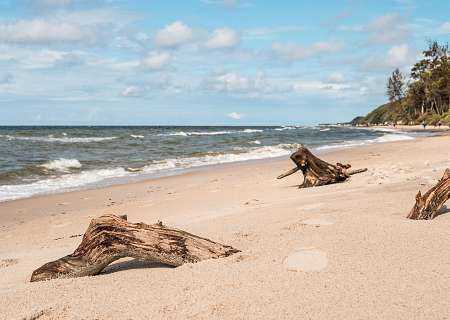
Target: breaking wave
73	181
63	165
64	139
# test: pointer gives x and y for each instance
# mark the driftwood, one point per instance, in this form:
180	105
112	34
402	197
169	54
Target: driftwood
317	172
111	237
427	206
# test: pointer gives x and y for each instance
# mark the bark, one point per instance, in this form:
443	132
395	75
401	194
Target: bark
427	206
111	237
317	172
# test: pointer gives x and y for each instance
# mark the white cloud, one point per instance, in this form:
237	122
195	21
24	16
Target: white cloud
230	81
302	86
173	35
336	77
6	78
265	32
39	31
389	28
223	38
398	55
445	28
46	58
66	27
132	91
235	115
293	51
156	60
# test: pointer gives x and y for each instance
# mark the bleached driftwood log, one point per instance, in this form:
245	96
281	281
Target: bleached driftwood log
317	172
427	206
111	237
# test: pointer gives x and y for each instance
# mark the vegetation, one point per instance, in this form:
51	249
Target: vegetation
426	96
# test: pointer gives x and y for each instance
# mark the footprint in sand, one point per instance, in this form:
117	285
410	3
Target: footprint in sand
317	222
7	262
306	260
62	224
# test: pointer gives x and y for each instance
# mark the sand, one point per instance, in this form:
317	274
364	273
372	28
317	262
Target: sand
343	251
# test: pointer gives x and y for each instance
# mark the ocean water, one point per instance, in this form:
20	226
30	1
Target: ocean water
43	160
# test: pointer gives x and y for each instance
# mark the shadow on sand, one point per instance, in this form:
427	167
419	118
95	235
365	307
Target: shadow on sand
130	264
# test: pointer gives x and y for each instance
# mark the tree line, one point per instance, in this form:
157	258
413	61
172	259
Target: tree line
425	97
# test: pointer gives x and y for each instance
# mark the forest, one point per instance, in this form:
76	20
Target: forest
422	98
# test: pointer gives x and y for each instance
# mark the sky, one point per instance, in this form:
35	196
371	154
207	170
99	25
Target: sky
206	62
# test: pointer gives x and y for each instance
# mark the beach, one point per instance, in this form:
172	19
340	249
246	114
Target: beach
342	251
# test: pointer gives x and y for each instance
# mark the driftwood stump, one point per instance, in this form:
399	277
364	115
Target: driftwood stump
427	206
111	237
317	172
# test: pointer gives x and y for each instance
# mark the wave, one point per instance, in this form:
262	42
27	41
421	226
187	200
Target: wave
65	182
73	181
137	136
286	128
186	134
62	165
209	133
249	154
64	139
391	137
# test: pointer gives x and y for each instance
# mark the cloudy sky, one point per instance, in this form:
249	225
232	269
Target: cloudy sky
205	62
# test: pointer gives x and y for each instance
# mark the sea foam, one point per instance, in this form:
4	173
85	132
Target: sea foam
63	165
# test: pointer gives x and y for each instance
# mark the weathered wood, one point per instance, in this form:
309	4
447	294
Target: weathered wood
111	237
317	172
427	206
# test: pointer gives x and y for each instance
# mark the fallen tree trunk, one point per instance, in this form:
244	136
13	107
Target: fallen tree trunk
427	206
111	237
317	172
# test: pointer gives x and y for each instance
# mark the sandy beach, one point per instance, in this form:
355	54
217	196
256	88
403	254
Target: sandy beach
343	251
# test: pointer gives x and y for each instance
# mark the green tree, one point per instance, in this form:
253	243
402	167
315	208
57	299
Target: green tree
396	86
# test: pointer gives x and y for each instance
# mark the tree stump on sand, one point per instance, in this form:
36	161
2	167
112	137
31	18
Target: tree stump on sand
428	205
317	172
111	237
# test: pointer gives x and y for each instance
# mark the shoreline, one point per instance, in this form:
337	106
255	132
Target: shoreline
206	170
142	176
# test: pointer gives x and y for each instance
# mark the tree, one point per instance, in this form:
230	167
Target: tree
390	92
395	86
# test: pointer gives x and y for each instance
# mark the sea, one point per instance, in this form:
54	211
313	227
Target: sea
46	160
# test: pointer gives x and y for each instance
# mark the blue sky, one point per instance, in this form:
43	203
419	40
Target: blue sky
205	62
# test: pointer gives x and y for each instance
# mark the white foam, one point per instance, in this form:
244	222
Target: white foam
64	139
137	136
344	145
209	133
393	137
62	164
251	154
63	183
287	128
255	142
73	181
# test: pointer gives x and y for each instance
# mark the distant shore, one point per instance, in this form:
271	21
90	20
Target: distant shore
363	252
